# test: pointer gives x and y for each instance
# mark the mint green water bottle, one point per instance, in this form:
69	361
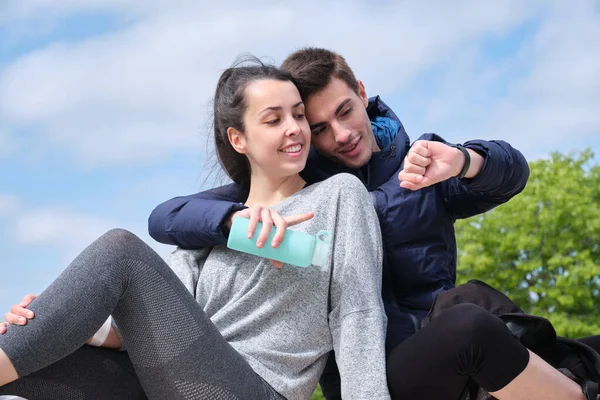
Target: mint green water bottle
297	248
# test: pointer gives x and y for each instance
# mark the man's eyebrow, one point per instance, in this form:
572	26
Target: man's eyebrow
317	125
343	103
337	111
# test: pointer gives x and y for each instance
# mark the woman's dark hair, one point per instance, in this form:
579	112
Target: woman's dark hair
229	107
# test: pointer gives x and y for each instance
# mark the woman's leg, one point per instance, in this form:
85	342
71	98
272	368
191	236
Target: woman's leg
88	373
176	350
468	343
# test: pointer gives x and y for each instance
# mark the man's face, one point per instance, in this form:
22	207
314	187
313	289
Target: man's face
340	127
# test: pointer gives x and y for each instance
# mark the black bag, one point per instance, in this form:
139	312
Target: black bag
574	359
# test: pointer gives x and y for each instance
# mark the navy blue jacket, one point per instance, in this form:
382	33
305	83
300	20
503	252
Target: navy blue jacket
417	226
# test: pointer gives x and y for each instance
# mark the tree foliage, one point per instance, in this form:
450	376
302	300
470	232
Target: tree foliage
542	248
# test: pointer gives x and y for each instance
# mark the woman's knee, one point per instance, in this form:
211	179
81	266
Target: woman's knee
121	243
119	246
118	237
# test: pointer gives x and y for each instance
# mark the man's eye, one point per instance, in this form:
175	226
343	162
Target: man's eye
346	112
317	131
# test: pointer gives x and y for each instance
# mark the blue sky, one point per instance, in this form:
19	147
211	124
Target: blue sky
104	103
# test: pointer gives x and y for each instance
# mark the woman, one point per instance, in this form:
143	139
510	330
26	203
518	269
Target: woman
250	331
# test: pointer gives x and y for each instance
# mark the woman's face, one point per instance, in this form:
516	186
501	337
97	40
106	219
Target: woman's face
277	136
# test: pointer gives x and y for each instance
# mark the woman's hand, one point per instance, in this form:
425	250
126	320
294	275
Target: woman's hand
18	314
268	218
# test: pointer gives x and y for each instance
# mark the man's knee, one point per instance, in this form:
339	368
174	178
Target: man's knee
469	324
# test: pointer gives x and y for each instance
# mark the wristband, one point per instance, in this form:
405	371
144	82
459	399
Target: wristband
467	163
100	337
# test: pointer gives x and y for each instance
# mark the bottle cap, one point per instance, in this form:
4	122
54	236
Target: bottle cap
321	248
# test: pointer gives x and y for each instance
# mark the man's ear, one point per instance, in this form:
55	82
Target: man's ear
237	140
362	93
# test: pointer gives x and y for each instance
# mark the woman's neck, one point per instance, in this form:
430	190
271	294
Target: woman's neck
265	192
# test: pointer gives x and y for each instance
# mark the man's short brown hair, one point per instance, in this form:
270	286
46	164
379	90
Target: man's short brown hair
313	68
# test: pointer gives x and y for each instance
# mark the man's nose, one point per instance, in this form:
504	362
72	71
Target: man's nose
341	134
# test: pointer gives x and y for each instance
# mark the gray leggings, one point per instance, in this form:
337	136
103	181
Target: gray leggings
175	349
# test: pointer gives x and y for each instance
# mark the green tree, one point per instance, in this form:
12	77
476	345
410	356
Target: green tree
542	248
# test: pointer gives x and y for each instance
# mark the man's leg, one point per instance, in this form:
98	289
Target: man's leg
468	343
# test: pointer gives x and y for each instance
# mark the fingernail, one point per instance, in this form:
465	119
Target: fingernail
274	243
260	244
30	314
22	320
249	235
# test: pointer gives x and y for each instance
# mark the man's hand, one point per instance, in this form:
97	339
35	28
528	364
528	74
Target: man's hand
18	314
268	218
428	163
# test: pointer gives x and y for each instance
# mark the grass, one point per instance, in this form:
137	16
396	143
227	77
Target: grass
317	394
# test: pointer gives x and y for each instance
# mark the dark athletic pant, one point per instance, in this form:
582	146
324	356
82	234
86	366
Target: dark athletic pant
175	350
464	344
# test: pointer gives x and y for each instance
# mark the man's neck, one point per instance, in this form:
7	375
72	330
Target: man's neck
266	192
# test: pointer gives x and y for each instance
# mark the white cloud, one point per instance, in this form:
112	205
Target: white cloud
21	10
9	205
543	98
7	143
555	106
143	92
69	232
66	230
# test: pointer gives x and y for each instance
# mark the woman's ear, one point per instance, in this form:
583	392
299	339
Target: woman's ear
237	140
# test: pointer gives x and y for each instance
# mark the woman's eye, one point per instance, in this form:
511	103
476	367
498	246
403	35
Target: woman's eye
273	121
299	116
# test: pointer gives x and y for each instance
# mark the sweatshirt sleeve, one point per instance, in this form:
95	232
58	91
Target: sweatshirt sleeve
195	221
357	319
187	265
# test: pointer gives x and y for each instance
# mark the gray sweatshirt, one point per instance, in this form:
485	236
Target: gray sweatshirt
278	319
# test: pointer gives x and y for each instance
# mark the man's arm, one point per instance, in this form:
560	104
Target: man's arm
496	173
197	220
